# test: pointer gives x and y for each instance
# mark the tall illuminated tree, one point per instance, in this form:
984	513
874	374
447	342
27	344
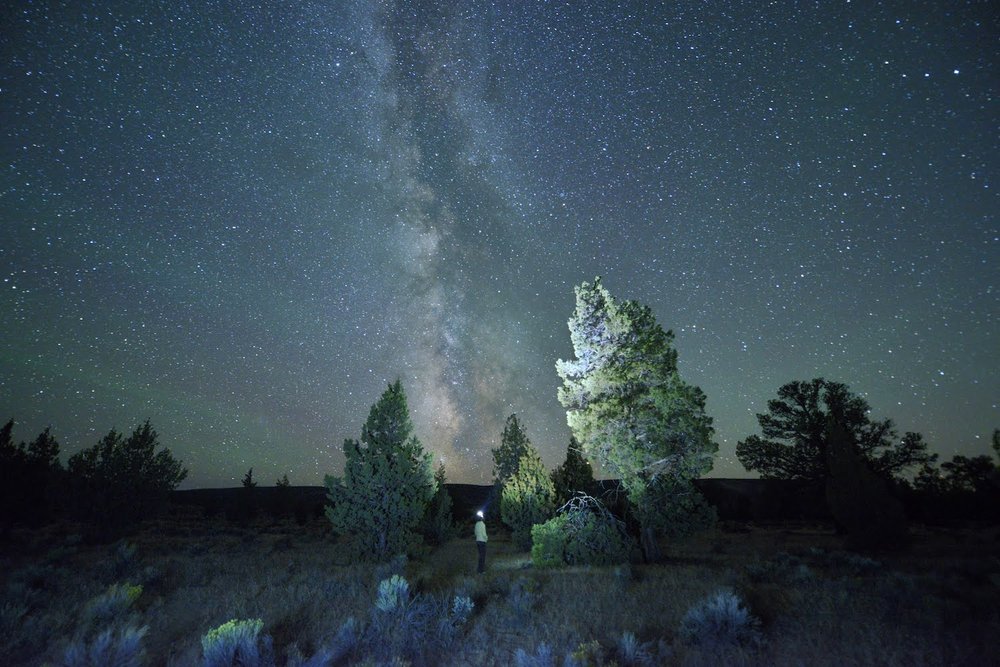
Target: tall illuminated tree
387	482
527	497
630	410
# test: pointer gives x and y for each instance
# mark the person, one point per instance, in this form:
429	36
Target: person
481	541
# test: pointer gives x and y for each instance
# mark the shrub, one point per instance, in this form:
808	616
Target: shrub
393	593
720	621
584	533
542	657
461	609
237	643
632	652
112	647
111	607
522	598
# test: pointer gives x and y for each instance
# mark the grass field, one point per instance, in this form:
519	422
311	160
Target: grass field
936	604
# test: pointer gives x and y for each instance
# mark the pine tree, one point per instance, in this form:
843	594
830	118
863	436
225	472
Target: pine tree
387	481
527	497
631	411
513	444
575	475
439	524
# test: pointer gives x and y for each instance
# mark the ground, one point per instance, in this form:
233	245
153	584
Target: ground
933	604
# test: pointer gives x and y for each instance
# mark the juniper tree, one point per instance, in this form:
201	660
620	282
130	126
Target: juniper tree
575	475
387	481
631	411
513	444
121	480
527	497
438	523
795	434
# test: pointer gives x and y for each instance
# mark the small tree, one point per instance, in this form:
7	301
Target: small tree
121	480
248	481
438	524
575	475
513	444
527	498
584	532
387	481
796	437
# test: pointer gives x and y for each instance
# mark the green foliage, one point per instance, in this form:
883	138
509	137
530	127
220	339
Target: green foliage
121	480
514	444
237	643
673	508
794	439
575	475
387	481
626	403
583	533
527	498
438	524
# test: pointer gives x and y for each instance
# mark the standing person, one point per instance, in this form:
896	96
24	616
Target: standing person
481	541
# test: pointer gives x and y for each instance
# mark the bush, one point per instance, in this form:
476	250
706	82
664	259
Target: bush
720	621
112	607
117	648
237	643
542	657
632	652
584	533
413	628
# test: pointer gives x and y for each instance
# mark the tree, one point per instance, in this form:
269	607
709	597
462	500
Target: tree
248	482
527	497
859	499
575	475
513	444
29	477
387	481
121	480
795	436
963	474
438	523
629	408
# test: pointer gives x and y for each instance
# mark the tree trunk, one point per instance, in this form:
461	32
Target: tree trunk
650	546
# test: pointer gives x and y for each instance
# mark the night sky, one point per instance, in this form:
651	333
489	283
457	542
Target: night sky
241	222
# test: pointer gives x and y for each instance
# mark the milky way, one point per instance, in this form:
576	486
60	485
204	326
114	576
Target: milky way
242	222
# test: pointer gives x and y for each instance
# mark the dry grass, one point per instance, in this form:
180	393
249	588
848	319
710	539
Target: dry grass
934	605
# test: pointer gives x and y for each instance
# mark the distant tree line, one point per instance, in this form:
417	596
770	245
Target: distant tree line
109	487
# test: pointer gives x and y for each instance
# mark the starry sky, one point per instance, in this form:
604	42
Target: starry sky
240	221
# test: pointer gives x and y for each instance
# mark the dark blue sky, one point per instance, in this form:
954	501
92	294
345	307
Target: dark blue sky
242	222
